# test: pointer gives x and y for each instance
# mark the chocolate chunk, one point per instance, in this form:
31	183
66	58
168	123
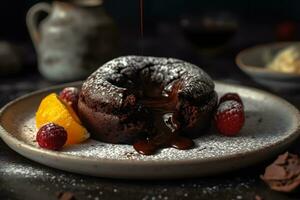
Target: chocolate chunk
284	173
257	197
293	167
65	196
284	186
275	172
282	159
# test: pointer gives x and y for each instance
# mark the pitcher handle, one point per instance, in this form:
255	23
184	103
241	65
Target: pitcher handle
33	23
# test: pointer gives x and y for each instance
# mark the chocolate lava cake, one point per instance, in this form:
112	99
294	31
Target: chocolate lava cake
147	100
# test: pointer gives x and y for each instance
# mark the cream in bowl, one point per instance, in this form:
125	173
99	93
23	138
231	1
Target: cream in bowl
287	60
275	66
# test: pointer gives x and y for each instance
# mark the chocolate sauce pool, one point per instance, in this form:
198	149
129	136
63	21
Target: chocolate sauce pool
149	147
166	126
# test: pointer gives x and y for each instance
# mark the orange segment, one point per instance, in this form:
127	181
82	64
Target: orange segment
52	109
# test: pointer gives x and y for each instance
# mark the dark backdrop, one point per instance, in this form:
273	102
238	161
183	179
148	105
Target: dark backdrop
12	12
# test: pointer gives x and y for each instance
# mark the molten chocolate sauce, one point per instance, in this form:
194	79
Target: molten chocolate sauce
166	126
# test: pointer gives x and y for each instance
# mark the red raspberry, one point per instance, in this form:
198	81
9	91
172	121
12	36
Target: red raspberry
231	96
51	136
70	95
230	118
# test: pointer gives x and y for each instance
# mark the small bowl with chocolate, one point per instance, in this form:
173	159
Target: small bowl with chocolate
275	66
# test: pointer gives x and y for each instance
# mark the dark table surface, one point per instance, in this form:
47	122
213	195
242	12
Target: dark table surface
23	179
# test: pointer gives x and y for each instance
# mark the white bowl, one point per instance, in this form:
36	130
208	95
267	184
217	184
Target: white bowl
253	61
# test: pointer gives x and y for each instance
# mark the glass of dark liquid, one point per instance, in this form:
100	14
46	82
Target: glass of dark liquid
209	33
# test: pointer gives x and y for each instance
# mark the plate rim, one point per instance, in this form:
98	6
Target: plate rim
9	139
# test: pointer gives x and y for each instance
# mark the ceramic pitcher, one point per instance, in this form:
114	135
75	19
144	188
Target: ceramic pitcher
74	39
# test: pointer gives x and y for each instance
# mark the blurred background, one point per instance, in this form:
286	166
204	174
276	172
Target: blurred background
258	21
126	13
207	33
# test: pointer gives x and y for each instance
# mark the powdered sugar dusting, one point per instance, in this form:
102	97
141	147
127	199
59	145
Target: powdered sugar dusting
229	105
110	81
21	170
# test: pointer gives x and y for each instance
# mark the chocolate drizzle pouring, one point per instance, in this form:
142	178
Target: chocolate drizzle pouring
283	174
166	126
142	24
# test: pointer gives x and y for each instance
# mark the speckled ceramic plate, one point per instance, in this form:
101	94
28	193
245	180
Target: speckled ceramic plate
271	125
